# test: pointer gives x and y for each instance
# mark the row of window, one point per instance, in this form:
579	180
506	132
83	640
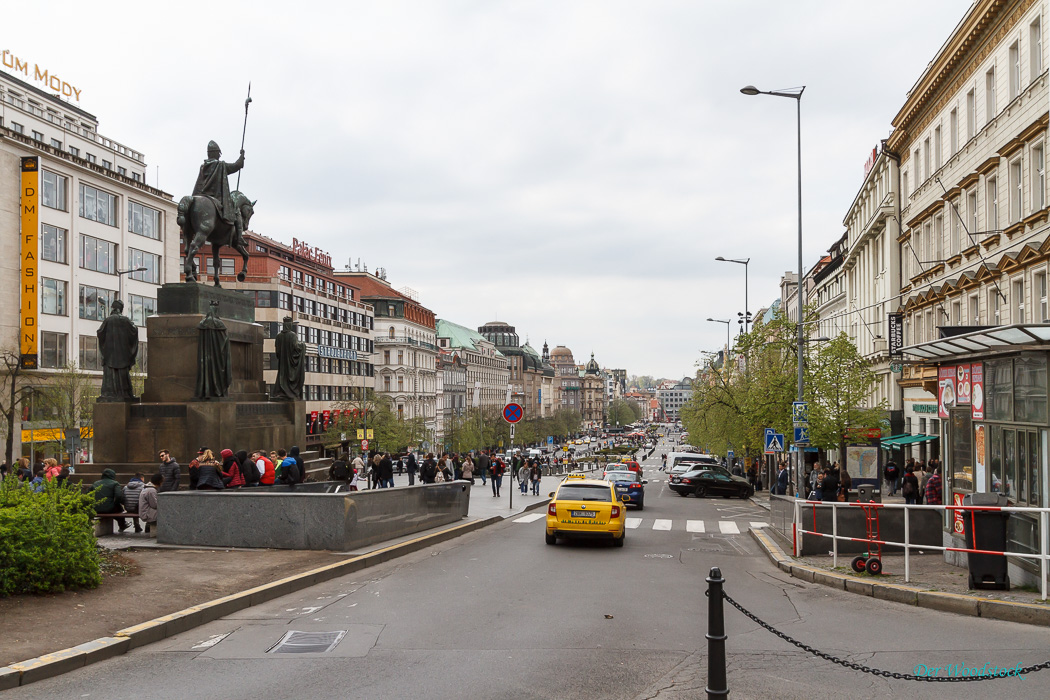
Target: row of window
928	158
329	365
98	205
309	281
54	349
98	255
95	303
19	128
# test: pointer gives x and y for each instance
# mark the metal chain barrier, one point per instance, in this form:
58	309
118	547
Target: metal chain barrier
875	671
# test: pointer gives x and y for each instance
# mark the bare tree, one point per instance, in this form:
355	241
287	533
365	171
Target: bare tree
11	397
68	398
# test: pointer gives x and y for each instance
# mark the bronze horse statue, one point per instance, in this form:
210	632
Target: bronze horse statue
200	223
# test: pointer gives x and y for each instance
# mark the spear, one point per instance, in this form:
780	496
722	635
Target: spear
245	130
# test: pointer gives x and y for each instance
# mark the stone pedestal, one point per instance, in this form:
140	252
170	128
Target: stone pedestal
169	417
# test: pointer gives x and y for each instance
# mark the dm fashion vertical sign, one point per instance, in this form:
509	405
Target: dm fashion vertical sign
28	335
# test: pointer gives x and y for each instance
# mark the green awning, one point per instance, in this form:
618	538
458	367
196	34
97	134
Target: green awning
901	440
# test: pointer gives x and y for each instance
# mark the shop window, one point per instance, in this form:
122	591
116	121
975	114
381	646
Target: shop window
998	390
1030	389
995	459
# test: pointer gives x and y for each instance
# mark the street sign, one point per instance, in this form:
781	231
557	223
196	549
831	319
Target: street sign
364	444
774	443
769	431
342	437
799	412
896	333
730	454
802	435
550	439
512	432
369	435
512	413
360	434
426	444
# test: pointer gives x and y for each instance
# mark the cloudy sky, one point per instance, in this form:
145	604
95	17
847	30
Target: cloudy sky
571	167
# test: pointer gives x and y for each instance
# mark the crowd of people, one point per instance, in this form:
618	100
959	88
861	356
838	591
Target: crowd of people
919	482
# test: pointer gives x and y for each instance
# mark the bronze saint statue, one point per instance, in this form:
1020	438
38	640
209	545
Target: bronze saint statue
291	363
213	214
118	343
214	371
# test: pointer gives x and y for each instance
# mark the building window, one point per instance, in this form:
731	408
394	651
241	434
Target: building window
98	255
1035	48
1016	191
400	383
1038	166
74	151
1017	302
953	229
53	190
122	171
918	169
284	272
989	95
55	143
141	365
992	204
139	308
38	135
386	384
937	148
89	355
1015	69
1040	287
975	311
136	177
971	210
95	303
97	205
226	266
53	243
53	349
971	110
993	307
91	158
284	301
143	220
53	296
926	161
139	259
107	164
953	136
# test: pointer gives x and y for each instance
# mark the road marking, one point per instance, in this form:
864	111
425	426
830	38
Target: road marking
728	527
661	524
694	526
530	518
633	523
757	525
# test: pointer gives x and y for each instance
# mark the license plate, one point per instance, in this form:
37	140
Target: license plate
621	488
583	513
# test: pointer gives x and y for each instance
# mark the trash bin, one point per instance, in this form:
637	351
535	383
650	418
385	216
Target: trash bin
986	530
865	493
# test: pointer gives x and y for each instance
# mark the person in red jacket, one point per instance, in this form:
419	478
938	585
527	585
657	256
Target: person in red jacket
231	471
265	466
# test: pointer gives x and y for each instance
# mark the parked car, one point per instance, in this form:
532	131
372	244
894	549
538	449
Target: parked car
707	481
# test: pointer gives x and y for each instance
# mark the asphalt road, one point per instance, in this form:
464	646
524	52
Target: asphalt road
499	614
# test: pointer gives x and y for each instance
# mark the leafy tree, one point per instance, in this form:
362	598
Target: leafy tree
838	385
67	400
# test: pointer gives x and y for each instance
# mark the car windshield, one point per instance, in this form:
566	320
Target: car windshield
584	492
620	476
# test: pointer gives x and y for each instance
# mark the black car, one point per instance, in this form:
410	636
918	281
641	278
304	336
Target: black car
707	481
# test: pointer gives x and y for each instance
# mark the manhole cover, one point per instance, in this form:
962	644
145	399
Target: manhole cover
307	642
659	556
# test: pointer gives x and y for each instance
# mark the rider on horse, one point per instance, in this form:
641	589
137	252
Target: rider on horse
213	182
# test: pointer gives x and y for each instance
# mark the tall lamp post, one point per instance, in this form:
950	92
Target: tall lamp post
744	262
796	95
725	358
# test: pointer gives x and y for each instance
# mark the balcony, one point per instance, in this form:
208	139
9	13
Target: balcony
403	340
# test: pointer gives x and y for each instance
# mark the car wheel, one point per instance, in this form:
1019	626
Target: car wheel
745	494
549	539
618	542
641	505
700	491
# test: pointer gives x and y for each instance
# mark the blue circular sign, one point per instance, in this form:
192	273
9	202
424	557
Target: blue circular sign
512	413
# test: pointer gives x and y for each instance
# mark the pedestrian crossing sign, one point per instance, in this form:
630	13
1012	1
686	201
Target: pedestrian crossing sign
802	435
774	443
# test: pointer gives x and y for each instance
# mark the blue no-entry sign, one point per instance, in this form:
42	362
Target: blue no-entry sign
512	413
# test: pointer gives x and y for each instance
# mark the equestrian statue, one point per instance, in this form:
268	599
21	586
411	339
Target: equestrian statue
213	214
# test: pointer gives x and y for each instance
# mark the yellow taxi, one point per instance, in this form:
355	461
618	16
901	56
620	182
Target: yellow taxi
575	475
586	508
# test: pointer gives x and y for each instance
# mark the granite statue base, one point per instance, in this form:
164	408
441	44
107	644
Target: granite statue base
137	432
280	517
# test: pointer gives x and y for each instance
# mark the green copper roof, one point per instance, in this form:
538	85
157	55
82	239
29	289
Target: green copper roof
458	336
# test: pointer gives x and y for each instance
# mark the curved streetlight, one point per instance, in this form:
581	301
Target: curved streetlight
744	262
725	358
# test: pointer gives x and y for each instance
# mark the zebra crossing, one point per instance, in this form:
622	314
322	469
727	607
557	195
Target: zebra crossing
724	527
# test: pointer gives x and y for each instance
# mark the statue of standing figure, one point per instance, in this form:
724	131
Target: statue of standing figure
118	343
291	363
214	370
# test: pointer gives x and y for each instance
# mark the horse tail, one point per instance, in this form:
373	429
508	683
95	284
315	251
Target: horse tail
184	213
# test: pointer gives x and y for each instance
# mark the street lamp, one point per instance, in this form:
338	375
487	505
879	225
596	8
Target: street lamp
725	358
744	262
795	94
120	279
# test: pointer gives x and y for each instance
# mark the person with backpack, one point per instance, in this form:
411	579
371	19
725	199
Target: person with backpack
293	454
340	470
890	472
910	486
428	472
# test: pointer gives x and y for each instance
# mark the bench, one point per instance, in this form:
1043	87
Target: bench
104	522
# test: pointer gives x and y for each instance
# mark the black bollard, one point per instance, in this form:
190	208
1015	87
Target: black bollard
717	686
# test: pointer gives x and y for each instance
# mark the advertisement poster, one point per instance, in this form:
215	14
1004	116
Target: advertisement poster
325	418
962	385
957	525
945	390
977	391
862	461
979	447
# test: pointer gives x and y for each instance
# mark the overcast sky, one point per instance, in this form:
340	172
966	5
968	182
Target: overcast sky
572	168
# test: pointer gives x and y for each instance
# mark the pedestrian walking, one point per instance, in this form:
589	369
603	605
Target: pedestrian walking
523	477
496	472
910	485
829	487
386	472
412	468
468	469
890	473
535	475
933	488
483	466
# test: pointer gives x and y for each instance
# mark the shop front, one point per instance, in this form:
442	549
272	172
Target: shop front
992	404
